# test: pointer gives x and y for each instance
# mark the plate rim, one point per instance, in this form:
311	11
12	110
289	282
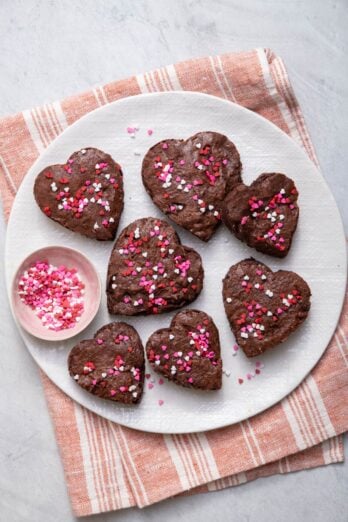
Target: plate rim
265	121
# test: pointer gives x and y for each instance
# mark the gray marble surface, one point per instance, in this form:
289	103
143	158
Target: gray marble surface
50	49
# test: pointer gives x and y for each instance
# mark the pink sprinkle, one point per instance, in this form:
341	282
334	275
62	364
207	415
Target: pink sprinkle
112	393
244	220
150	132
130	130
100	341
182	162
235	347
160	402
165	146
147	375
150	385
225	161
190	380
161	381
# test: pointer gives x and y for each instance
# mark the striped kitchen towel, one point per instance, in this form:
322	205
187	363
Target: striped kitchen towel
109	467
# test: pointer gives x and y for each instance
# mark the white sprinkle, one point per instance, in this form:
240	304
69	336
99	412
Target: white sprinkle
282	191
190	279
144	254
171	337
171	251
113	286
256	285
157	363
83	151
246	278
136	233
244	335
198	145
269	313
269	293
111	220
211	207
104	374
76	377
95	226
263	277
229	299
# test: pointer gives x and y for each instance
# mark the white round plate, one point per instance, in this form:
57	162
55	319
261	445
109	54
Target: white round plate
318	254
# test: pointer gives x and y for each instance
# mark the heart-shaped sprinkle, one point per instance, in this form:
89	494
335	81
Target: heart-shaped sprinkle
111	365
258	319
171	274
264	214
85	195
188	179
188	352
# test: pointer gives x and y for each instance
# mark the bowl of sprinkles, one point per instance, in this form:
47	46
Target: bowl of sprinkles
55	293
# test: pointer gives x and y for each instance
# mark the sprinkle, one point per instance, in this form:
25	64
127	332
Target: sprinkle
54	293
160	402
149	132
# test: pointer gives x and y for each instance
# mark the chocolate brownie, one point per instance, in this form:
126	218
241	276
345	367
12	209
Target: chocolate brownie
85	195
188	352
264	214
150	271
188	179
111	365
263	307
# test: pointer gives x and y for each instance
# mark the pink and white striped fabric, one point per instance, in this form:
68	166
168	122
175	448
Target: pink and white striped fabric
110	467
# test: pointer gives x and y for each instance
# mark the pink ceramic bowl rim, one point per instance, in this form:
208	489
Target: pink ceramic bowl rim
56	254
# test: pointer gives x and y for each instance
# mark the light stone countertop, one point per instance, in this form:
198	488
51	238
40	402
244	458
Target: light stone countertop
51	49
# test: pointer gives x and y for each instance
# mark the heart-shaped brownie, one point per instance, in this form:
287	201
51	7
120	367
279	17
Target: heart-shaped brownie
188	179
188	352
85	195
150	271
263	307
264	214
111	365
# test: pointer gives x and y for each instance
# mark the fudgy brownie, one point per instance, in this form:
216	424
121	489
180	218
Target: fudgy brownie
111	365
188	179
150	271
263	307
85	195
188	352
264	214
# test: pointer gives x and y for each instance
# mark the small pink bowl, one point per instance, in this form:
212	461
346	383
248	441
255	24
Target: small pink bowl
57	255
